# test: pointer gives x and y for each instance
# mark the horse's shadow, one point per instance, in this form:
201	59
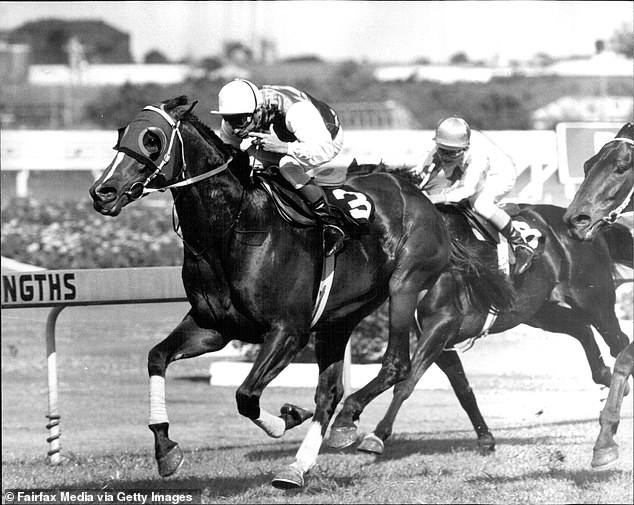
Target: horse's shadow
211	488
581	478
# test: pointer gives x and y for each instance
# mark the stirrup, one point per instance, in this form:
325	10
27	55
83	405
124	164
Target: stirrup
333	238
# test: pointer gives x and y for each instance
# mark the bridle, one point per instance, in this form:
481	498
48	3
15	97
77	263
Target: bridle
140	189
617	212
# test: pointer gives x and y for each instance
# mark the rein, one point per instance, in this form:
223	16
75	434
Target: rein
616	213
140	189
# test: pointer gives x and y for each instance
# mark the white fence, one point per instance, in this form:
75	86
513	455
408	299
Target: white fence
24	151
538	155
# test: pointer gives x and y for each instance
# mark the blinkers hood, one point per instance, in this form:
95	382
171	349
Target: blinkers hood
147	140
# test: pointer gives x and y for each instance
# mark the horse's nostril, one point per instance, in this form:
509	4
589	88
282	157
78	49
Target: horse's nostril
580	220
106	193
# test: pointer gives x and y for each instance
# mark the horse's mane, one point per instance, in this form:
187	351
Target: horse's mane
402	171
183	110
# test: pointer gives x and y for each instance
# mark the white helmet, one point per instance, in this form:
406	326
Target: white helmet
238	97
453	133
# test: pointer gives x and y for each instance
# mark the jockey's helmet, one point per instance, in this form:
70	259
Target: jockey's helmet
238	97
453	134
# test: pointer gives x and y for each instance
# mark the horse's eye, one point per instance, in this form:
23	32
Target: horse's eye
152	144
621	169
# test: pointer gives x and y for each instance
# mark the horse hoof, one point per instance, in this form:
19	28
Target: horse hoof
486	445
604	456
289	478
294	415
342	437
171	462
371	444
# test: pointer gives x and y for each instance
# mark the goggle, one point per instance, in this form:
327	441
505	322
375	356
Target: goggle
238	121
449	153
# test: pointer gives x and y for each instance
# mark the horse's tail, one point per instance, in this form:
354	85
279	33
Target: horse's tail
485	287
620	243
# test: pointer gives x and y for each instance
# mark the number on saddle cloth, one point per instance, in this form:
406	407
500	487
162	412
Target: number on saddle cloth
356	208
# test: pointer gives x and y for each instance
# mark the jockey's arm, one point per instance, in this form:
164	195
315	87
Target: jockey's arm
314	145
467	185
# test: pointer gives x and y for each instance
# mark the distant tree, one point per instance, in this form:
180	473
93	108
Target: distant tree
155	56
307	58
234	50
459	58
210	63
423	60
118	106
622	41
543	59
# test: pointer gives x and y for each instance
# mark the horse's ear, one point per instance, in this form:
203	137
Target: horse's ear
354	164
191	107
627	131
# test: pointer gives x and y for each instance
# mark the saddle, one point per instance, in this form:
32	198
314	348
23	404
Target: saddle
353	209
486	232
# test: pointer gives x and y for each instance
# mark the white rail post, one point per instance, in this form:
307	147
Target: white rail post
53	416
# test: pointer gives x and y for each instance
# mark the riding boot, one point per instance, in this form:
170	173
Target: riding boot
523	252
333	233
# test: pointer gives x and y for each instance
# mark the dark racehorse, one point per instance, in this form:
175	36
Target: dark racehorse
569	289
250	275
604	194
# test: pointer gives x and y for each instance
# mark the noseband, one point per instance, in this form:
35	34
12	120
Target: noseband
140	189
616	213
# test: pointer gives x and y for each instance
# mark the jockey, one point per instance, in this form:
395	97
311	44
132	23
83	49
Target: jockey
454	171
290	129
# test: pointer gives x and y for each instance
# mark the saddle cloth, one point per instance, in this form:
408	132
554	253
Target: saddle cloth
354	209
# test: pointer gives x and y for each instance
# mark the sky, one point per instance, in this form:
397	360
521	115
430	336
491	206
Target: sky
389	31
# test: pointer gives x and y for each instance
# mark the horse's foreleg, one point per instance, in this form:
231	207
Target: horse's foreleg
607	324
278	349
329	351
597	307
449	362
557	319
185	341
605	448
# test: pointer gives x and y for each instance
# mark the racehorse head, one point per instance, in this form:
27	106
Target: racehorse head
151	156
606	190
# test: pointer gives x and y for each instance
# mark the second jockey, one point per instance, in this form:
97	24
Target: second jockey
455	171
289	129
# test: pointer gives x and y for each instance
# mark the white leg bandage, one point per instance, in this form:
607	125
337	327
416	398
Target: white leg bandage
307	453
273	426
158	413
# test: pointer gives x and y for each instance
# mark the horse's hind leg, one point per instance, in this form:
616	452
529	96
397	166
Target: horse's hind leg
605	448
449	362
554	318
185	341
395	367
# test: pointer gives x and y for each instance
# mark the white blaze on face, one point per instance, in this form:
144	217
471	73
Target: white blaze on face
116	162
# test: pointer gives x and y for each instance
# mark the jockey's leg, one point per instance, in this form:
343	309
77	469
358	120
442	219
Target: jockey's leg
314	196
485	205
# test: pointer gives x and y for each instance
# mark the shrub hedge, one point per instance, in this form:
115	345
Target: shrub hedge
72	235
